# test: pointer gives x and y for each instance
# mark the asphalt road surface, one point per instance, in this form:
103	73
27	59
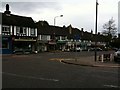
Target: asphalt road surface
39	71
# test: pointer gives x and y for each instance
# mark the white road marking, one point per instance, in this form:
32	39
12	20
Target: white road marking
112	86
30	77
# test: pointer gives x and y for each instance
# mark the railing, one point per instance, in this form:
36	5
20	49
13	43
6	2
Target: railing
106	57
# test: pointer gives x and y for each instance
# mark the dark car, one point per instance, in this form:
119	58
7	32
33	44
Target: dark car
93	49
117	56
22	51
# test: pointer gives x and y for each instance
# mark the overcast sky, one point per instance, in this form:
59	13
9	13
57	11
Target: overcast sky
78	13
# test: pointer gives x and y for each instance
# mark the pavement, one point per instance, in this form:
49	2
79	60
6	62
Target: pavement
89	61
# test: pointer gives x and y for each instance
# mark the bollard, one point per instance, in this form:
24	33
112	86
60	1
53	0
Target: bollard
111	57
102	58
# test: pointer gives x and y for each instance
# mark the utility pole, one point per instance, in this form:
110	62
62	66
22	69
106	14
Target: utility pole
96	30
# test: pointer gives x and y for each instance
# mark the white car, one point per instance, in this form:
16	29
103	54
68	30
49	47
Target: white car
117	55
78	49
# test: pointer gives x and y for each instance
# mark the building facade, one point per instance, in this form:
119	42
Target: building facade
19	33
52	38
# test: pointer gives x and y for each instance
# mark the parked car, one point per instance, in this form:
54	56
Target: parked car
93	49
66	50
115	49
78	49
85	49
117	56
22	51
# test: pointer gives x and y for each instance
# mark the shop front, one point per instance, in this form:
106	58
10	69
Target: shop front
7	45
61	45
42	46
24	45
52	45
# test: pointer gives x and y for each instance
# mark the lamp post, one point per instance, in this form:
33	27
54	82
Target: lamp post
54	25
55	19
96	30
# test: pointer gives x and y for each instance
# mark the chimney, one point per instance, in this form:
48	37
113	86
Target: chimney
7	9
91	31
70	29
82	32
81	29
98	33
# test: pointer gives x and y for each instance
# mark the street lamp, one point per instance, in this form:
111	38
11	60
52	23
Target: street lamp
54	25
55	19
96	30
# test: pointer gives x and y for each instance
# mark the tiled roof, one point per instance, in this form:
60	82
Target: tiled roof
70	32
50	30
10	19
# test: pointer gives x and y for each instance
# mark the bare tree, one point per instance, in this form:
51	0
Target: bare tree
110	28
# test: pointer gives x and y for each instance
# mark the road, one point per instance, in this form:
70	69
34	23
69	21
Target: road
39	71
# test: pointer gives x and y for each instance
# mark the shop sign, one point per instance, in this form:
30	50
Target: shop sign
25	40
52	42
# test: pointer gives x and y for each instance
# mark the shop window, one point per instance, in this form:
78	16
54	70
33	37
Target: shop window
43	37
58	38
5	45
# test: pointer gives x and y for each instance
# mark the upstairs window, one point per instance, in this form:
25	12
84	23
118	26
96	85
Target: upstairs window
63	38
32	31
6	30
18	30
22	31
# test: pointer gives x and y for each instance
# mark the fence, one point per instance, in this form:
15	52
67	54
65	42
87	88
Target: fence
106	57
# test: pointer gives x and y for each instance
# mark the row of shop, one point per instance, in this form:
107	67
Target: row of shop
64	46
10	45
19	33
